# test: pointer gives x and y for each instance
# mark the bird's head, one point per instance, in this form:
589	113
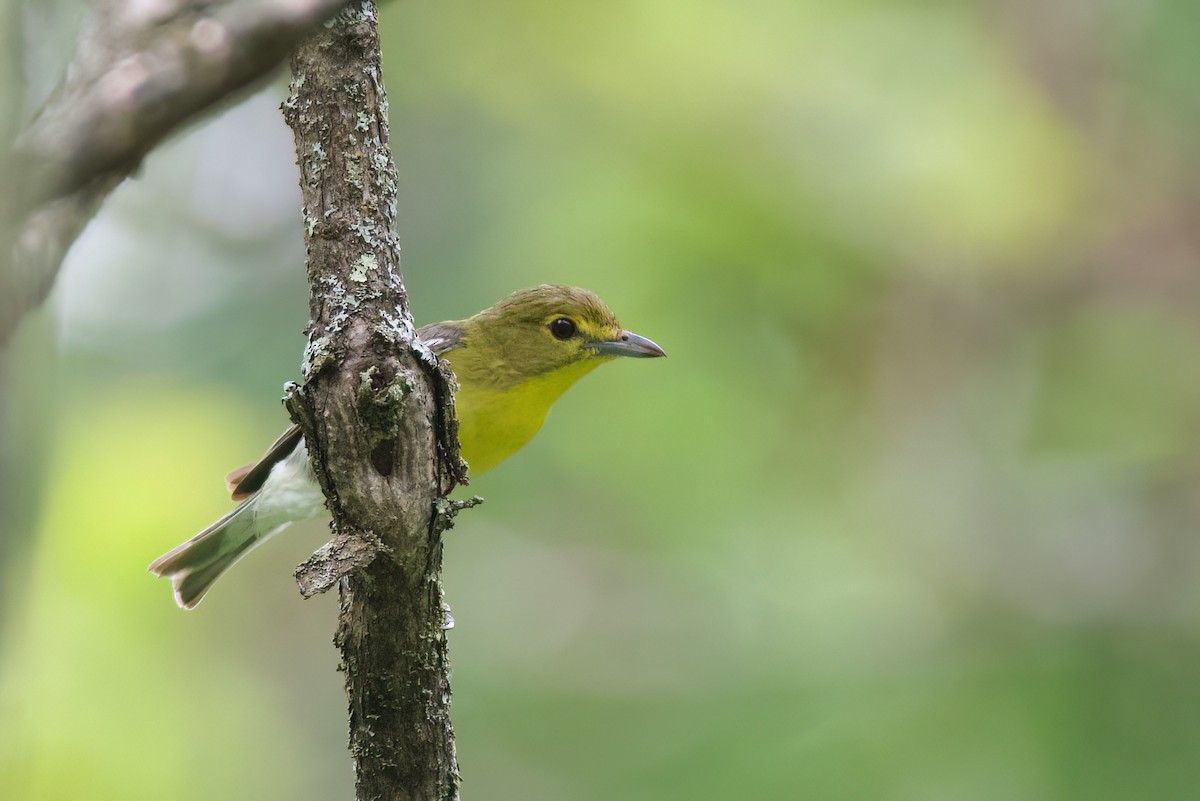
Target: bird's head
539	331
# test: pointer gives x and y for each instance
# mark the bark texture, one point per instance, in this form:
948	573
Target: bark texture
375	410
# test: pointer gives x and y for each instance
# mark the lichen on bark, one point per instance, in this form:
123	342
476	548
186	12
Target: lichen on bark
376	411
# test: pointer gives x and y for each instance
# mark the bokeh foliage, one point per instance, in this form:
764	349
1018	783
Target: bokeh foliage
909	513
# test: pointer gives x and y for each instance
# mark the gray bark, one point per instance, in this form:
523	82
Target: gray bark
377	414
376	406
140	71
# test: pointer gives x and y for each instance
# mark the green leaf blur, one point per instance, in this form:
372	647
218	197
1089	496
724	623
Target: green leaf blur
909	512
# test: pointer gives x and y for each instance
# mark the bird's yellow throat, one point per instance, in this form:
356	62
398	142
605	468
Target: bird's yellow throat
493	423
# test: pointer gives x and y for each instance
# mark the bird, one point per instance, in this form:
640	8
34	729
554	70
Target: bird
512	361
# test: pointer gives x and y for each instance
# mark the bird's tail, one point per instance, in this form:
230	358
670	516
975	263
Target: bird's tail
197	563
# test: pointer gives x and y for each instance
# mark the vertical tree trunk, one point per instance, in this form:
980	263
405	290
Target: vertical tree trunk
371	410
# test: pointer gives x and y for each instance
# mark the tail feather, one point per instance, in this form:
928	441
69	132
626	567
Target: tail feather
197	563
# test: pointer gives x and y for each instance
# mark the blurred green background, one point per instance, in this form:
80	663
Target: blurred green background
909	513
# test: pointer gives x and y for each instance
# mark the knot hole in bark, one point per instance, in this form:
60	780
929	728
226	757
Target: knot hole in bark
381	402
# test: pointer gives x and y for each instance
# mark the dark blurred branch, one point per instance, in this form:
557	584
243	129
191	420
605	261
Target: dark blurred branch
372	410
140	71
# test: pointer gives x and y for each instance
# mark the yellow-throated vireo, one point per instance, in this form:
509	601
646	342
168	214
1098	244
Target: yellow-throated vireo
512	361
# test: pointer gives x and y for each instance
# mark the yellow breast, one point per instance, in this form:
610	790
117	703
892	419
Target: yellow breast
493	423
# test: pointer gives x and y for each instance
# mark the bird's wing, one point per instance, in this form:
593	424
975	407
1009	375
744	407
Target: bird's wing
441	337
247	480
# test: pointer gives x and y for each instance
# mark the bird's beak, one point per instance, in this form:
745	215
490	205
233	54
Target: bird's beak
628	344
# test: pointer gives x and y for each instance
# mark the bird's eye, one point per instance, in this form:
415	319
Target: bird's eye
562	328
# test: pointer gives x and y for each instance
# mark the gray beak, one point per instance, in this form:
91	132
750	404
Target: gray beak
629	344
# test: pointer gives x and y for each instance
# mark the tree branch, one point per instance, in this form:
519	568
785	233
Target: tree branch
377	414
140	72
